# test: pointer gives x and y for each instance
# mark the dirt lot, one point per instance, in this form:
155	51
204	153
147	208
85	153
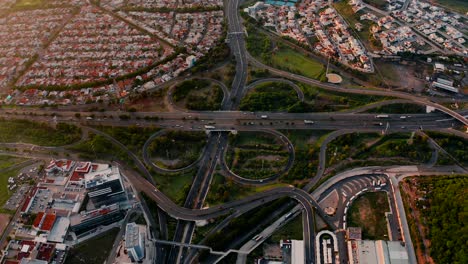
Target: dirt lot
4	219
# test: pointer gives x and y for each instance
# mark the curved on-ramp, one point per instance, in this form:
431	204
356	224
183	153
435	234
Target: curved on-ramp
263	181
380	92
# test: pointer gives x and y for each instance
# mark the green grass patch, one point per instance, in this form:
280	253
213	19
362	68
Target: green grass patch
256	155
132	137
8	161
199	94
270	96
380	4
399	109
4	192
177	149
288	59
224	190
456	146
291	230
87	253
176	186
343	147
42	134
460	6
320	100
368	212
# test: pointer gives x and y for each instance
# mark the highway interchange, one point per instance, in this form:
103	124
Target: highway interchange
228	119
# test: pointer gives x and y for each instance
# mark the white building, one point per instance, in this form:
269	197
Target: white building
135	241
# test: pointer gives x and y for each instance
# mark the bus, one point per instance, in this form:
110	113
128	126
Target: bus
209	127
381	116
308	122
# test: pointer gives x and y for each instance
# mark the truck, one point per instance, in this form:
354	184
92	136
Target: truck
263	116
308	122
209	127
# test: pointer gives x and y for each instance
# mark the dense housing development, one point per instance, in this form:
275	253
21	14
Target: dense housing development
229	131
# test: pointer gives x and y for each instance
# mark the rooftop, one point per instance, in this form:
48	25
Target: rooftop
101	176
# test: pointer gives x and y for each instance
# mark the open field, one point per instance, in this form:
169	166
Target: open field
38	133
87	252
287	59
368	212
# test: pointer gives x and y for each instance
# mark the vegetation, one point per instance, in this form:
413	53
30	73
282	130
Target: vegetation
320	100
460	6
240	225
345	146
281	56
8	161
224	190
399	109
368	212
199	94
290	60
291	230
377	3
98	147
440	203
132	137
38	133
87	253
271	96
306	146
176	186
256	155
456	146
413	147
177	149
4	192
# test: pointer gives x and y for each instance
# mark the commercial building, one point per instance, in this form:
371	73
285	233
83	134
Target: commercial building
377	252
135	241
88	220
105	187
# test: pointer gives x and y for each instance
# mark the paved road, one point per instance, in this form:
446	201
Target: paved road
375	91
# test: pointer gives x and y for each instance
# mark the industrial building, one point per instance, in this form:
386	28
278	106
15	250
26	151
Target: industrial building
105	187
135	241
377	252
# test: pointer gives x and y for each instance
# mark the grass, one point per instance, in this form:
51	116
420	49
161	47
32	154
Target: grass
293	61
225	190
377	3
42	134
28	3
87	253
291	230
198	95
271	96
256	155
177	149
4	192
368	212
399	109
8	161
176	185
328	101
460	6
